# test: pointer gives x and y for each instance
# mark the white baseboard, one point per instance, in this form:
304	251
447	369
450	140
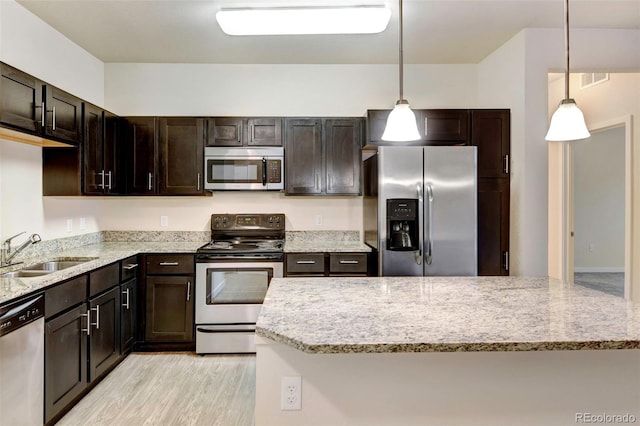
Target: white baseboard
598	269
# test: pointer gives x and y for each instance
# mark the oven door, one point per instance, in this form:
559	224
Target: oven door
232	293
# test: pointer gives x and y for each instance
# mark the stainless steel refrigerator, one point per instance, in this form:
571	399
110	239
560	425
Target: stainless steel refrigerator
420	210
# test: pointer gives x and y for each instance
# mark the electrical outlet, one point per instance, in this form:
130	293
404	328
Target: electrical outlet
318	220
291	393
83	223
69	225
164	220
592	247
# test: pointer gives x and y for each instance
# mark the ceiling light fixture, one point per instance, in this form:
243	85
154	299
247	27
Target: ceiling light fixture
567	123
401	123
308	20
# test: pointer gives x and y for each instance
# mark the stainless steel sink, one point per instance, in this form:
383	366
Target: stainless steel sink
40	269
24	274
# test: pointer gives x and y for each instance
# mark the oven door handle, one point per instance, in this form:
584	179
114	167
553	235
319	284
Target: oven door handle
264	171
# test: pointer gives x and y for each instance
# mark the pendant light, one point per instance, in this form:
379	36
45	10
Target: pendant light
401	124
567	123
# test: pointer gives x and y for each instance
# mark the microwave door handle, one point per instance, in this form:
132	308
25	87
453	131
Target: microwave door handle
264	171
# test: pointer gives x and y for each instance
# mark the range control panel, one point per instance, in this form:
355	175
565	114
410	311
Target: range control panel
237	222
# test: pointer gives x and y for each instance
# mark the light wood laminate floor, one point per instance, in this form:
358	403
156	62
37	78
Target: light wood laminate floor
171	389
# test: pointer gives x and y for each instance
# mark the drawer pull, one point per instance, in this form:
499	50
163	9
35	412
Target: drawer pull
88	329
349	262
306	262
125	305
169	263
97	323
131	266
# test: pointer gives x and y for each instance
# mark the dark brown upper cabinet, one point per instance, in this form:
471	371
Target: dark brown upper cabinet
323	156
238	131
435	126
181	155
20	100
490	132
36	108
103	158
140	150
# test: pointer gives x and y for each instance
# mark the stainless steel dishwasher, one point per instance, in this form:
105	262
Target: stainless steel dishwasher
22	362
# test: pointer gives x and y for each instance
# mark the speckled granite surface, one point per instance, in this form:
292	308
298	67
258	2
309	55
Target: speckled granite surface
104	254
324	241
444	314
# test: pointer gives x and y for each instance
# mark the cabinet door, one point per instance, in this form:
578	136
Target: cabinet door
264	132
490	132
181	154
303	159
114	157
343	152
169	309
223	131
92	151
20	100
444	126
493	226
65	359
140	141
128	315
104	341
63	115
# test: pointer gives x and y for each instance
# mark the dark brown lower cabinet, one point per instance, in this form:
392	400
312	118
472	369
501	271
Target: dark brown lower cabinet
493	226
104	340
169	308
128	315
65	360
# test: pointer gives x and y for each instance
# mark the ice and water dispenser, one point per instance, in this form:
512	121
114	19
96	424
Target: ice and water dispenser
402	224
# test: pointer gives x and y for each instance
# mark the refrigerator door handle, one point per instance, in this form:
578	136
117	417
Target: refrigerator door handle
420	201
429	215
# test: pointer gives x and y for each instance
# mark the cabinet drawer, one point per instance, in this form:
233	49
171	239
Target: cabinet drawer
167	264
305	263
128	268
104	278
65	295
348	263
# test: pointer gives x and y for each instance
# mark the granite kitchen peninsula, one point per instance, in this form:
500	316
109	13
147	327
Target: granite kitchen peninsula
446	350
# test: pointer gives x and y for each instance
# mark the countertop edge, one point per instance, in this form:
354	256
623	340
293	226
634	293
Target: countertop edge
449	347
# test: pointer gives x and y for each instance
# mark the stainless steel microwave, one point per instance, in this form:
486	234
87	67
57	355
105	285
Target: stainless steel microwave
244	169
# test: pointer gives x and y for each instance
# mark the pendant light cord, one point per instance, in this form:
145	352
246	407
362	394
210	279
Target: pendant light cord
400	51
566	48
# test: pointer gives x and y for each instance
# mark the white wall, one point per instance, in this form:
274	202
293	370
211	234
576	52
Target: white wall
599	202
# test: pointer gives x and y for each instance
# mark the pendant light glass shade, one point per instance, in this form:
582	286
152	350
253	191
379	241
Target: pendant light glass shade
401	124
567	123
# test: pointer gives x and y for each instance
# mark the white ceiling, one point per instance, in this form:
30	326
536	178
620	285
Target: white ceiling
435	32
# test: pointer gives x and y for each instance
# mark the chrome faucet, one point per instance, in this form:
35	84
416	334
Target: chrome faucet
8	253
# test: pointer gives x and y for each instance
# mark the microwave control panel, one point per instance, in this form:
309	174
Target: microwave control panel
274	168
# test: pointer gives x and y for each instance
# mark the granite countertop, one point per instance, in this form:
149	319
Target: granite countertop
444	314
325	247
105	253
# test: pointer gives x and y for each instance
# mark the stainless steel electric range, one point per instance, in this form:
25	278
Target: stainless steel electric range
233	273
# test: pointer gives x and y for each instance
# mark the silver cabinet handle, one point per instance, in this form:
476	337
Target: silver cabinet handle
428	250
109	176
306	262
54	118
169	263
198	182
420	201
349	262
506	260
506	164
97	323
126	304
101	184
88	329
43	111
131	266
150	177
188	290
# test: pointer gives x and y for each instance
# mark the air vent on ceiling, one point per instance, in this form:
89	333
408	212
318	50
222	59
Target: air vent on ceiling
588	79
